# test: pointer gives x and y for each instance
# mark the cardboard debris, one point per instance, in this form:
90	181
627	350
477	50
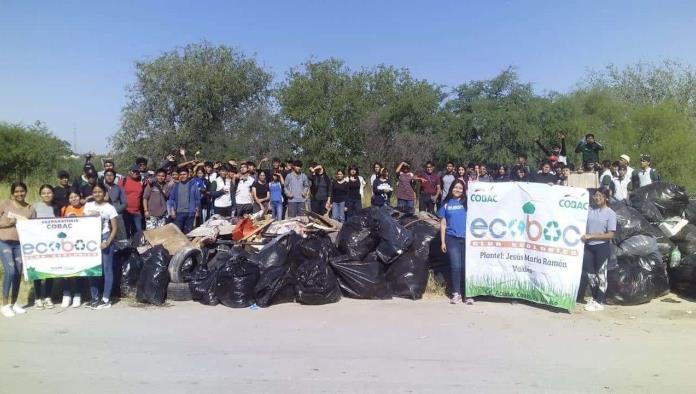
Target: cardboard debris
168	236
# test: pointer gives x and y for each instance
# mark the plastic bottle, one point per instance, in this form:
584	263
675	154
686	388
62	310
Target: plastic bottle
675	258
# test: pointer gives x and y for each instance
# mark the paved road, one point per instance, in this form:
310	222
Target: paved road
352	346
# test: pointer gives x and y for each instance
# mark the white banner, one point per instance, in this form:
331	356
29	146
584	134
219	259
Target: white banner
523	241
60	247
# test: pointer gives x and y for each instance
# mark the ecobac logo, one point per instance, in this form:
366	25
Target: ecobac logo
525	228
62	245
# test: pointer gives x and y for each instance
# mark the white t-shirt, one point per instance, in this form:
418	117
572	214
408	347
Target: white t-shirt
621	188
644	177
106	211
224	200
243	194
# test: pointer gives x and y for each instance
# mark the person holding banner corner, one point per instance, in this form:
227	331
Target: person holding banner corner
11	211
107	213
601	225
44	209
452	215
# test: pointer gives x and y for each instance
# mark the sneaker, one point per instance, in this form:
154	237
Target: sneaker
66	302
7	311
18	310
469	301
103	304
92	304
48	303
38	304
76	302
456	298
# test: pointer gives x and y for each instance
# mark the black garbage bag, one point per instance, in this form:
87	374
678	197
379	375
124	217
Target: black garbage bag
361	279
236	281
639	246
685	239
395	239
630	222
274	253
690	211
407	276
314	246
138	240
683	277
154	276
670	199
128	262
315	283
203	285
648	210
275	286
356	238
636	280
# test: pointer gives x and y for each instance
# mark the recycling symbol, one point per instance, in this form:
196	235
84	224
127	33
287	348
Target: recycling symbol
79	245
552	231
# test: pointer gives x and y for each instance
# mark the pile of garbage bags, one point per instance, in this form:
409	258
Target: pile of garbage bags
655	245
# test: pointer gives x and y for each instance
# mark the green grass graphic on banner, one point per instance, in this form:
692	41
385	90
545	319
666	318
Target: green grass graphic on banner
513	288
33	274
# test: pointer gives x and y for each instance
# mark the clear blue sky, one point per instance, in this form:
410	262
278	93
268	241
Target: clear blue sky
67	63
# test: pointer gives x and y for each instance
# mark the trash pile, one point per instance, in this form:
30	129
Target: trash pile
376	254
654	247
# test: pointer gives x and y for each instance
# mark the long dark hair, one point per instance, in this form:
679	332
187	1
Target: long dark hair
462	199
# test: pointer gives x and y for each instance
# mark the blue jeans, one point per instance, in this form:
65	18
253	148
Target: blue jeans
108	275
11	257
406	206
184	220
353	206
133	222
338	211
456	251
277	210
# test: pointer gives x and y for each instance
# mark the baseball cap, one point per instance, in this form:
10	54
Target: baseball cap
645	158
135	168
88	166
63	174
626	157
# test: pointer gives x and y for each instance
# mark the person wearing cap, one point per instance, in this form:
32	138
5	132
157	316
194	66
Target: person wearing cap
557	152
62	189
109	165
601	226
145	174
646	175
620	183
589	149
625	160
83	180
133	188
85	189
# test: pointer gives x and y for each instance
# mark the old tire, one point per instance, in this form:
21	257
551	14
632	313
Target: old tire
178	292
182	264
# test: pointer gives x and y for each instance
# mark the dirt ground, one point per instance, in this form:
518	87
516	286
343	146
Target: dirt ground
352	346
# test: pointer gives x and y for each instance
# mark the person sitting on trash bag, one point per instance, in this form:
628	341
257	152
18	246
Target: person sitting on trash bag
646	175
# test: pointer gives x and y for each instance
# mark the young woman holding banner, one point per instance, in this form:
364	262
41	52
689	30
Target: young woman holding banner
109	227
44	209
12	210
452	237
601	225
72	287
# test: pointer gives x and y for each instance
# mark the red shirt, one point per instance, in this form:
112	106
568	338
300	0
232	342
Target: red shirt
134	194
429	185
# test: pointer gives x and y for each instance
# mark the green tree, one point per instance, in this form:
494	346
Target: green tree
30	151
190	97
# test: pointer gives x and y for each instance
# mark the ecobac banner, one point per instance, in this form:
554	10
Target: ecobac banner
523	241
60	247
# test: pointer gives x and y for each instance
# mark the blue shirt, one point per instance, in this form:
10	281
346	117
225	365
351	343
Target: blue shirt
276	190
455	214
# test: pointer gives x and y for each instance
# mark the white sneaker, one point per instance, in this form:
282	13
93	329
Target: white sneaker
66	302
598	306
589	306
38	304
76	302
48	303
18	310
7	311
456	298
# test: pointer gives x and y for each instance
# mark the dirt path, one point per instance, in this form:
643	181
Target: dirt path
352	346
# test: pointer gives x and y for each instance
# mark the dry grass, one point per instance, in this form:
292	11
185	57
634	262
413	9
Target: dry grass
435	288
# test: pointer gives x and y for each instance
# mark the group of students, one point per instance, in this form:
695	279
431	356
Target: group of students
188	193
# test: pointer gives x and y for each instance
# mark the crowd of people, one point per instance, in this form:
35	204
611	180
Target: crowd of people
188	192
